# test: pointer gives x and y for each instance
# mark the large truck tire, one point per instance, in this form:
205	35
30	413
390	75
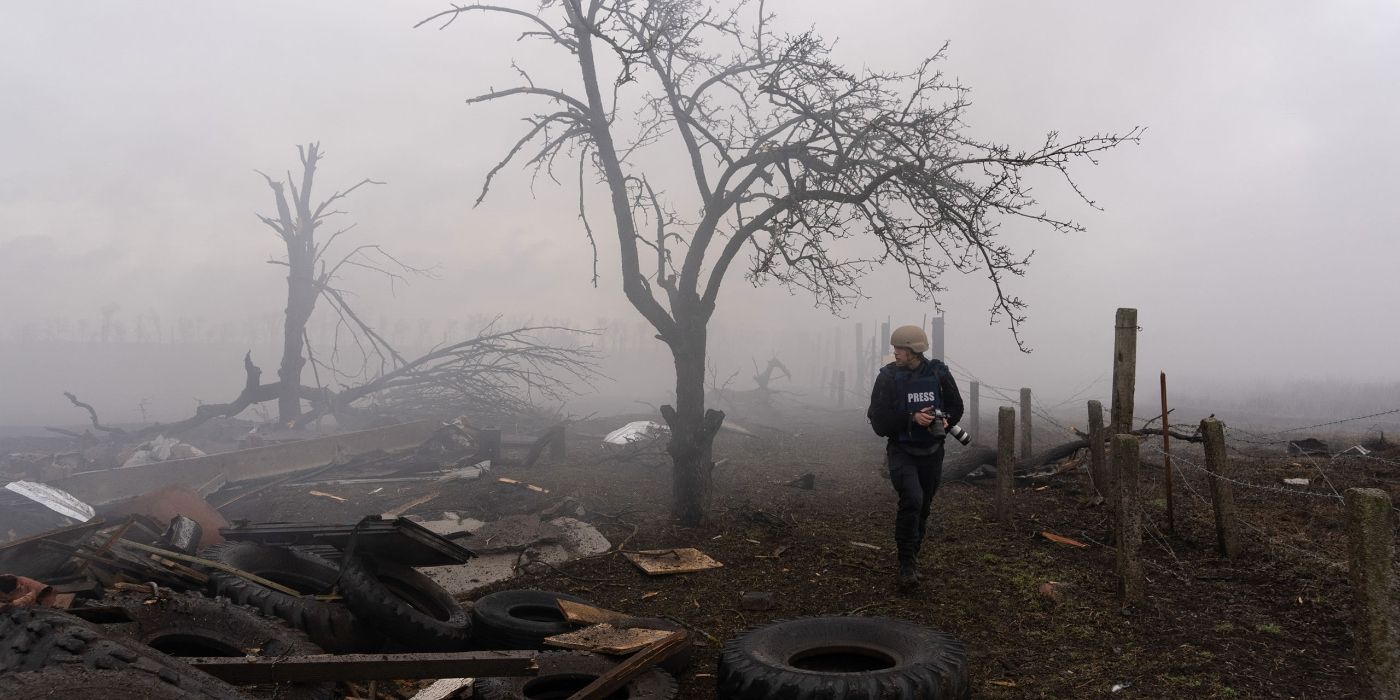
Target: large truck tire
38	645
849	658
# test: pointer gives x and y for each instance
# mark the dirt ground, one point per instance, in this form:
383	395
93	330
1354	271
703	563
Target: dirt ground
1272	624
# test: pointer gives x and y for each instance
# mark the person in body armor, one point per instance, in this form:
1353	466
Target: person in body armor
907	393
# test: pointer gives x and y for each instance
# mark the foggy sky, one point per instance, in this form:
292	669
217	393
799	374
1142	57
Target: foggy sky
1253	228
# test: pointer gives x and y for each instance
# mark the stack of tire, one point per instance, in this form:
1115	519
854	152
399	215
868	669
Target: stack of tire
521	619
380	604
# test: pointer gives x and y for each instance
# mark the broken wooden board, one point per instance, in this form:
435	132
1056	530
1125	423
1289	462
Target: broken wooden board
1061	539
603	638
587	614
657	562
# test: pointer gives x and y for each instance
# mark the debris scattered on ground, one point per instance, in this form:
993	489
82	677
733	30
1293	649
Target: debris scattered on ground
634	432
1308	446
758	600
1061	539
805	482
1051	590
160	449
532	487
1354	451
323	494
657	562
1297	482
865	545
603	638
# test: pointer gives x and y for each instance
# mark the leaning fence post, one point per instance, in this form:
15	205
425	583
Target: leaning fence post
1006	461
1025	423
1131	582
1098	466
1371	554
974	409
1222	493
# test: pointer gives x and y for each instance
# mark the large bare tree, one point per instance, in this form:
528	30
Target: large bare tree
787	154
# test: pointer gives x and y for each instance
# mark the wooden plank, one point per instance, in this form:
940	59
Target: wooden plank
587	614
603	638
367	667
657	562
609	682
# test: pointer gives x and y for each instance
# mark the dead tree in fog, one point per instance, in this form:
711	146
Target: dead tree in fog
311	273
789	154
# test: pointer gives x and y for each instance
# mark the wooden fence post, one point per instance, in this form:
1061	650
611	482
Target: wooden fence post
936	340
841	389
1371	555
1167	458
1131	582
1124	371
1006	461
1025	423
974	409
1098	466
860	351
1222	492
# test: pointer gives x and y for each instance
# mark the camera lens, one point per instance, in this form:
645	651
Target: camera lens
959	434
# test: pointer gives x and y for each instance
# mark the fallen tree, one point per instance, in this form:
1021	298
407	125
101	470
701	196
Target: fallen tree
963	464
492	375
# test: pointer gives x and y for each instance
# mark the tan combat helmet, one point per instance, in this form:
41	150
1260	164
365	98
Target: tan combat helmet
912	338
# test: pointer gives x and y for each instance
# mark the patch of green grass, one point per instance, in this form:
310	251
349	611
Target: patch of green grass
1269	628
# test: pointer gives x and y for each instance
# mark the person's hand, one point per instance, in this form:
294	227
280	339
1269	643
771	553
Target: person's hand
924	418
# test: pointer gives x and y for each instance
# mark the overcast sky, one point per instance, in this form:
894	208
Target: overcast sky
1254	227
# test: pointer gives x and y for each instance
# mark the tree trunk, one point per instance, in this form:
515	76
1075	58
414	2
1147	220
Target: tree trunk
301	300
693	429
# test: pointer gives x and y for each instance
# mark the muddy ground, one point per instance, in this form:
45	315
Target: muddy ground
1272	624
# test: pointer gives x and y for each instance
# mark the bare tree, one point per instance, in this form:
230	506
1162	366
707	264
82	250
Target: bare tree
789	153
311	273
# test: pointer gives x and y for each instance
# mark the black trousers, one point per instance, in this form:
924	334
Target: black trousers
915	479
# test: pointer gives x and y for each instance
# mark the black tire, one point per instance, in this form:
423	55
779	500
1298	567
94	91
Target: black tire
74	684
186	624
404	605
857	658
38	644
330	625
563	673
519	619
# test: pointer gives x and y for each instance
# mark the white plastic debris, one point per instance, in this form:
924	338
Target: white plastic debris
1297	482
634	431
56	500
161	449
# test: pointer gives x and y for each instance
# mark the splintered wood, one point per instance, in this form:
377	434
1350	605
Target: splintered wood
587	614
532	487
656	562
603	638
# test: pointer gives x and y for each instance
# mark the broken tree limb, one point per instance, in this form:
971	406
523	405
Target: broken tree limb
92	415
965	462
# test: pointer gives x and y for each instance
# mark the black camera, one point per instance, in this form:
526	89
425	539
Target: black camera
958	434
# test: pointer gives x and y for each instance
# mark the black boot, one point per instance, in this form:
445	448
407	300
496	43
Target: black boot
908	576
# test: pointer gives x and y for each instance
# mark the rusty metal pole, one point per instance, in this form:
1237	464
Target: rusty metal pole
1167	458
